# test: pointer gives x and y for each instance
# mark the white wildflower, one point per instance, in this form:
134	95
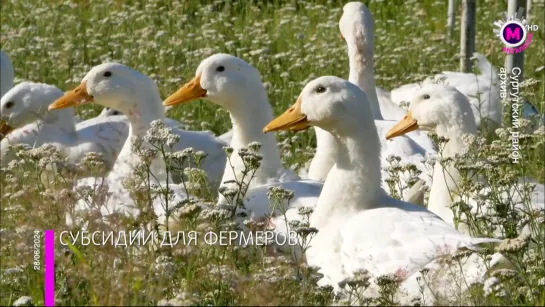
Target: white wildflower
24	301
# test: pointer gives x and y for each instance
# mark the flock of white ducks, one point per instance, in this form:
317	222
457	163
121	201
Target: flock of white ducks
357	28
27	121
137	96
360	226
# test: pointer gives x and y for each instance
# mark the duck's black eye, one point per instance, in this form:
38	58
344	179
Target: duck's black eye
10	104
320	89
426	96
220	68
108	74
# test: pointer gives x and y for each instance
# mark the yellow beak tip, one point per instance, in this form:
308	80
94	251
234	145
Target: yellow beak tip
171	102
406	125
188	92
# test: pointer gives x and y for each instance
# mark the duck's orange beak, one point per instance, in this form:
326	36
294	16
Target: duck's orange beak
293	119
72	98
406	125
192	90
5	129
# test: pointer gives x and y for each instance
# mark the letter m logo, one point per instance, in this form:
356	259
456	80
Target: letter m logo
510	34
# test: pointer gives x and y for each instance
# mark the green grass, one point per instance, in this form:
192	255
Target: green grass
289	42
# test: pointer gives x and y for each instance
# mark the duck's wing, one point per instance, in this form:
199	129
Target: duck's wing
105	135
399	240
226	137
35	136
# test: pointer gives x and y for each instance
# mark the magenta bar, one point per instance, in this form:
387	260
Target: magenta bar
49	247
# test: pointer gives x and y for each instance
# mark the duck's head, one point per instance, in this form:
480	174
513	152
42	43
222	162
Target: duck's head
330	103
27	102
435	107
357	25
222	79
110	85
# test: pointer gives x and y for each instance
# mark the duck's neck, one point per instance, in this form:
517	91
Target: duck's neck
140	111
324	159
354	182
250	115
362	73
361	64
446	178
61	119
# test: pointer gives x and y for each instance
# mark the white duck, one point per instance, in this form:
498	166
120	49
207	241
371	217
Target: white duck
7	74
357	28
483	90
235	85
137	96
359	225
447	111
27	121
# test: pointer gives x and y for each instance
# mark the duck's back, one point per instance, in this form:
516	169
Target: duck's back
34	135
399	238
24	135
482	90
105	135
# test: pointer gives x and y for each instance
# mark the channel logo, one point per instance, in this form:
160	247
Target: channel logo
515	32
